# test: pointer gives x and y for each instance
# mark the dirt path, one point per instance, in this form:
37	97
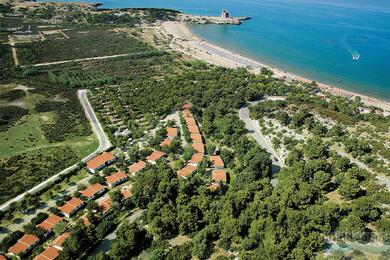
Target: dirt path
13	49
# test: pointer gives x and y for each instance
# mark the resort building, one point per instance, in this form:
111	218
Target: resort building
171	132
71	207
217	162
137	167
166	142
187	106
155	156
60	240
219	176
100	161
93	191
105	205
23	245
50	253
193	129
190	121
186	171
126	194
116	179
198	147
196	159
48	224
196	138
2	257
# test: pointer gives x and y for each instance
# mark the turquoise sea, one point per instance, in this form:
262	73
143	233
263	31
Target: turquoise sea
317	39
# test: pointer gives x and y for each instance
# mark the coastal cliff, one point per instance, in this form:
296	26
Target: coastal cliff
199	19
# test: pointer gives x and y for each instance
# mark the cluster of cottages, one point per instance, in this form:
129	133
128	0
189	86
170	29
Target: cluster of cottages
28	241
219	175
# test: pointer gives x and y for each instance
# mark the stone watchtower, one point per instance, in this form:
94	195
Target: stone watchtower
225	14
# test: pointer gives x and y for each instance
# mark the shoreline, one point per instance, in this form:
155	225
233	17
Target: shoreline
187	42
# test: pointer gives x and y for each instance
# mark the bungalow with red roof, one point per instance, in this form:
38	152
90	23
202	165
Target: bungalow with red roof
196	138
23	245
2	257
116	179
60	240
190	121
105	205
187	106
137	167
126	193
219	176
48	224
155	156
49	253
171	132
71	207
93	191
193	129
217	162
199	147
166	142
100	161
186	171
196	159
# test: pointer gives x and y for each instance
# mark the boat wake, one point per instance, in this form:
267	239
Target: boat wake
355	55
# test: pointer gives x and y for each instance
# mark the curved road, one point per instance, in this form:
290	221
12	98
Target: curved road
255	131
104	143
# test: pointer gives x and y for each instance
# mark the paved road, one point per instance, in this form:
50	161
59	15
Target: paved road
106	243
104	144
255	131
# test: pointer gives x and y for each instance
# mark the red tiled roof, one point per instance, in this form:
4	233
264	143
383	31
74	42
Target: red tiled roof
59	241
196	138
155	156
186	171
100	160
186	113
23	244
219	175
71	205
198	147
50	253
105	204
216	161
193	129
118	176
126	193
197	158
136	167
92	190
190	121
187	106
2	257
49	223
166	142
171	131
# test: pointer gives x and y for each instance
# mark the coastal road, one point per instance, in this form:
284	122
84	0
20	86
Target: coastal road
255	131
106	243
104	143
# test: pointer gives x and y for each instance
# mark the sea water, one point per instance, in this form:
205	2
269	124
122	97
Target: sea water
342	42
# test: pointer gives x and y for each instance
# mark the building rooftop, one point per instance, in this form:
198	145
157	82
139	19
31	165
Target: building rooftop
199	147
92	190
59	241
50	253
186	171
105	204
23	244
156	155
166	142
216	161
196	158
187	106
219	176
71	205
100	160
190	121
136	167
171	132
114	178
126	193
49	223
196	138
193	129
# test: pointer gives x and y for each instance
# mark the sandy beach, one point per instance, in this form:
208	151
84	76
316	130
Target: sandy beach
185	41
